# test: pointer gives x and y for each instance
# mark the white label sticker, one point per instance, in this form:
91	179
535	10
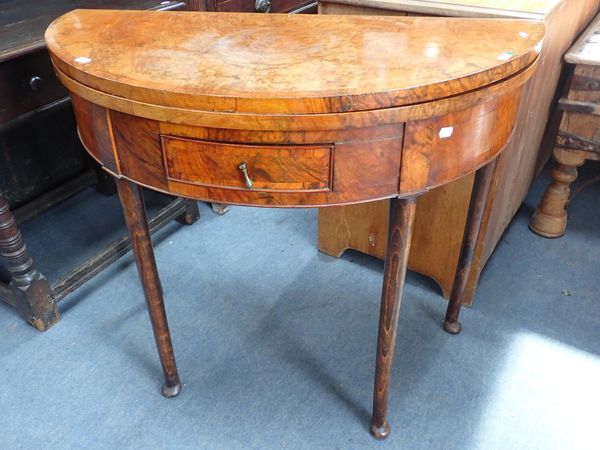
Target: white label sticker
83	59
446	132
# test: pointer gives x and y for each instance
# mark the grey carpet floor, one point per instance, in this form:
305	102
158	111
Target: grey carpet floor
275	342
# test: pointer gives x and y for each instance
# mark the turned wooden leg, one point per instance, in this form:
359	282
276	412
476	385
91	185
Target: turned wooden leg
402	215
481	188
191	214
137	224
550	218
219	208
30	289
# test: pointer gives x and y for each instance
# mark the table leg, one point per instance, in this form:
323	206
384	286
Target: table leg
219	208
191	214
481	188
30	290
550	218
402	215
137	224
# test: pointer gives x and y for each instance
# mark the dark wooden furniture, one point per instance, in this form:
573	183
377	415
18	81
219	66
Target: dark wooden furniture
41	159
293	111
442	212
259	6
579	134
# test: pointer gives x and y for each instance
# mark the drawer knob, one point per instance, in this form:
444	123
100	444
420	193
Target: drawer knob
244	169
263	6
34	83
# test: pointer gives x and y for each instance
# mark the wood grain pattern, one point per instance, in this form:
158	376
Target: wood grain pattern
135	217
181	120
340	122
96	138
23	22
182	53
402	215
359	227
138	149
442	211
481	187
216	164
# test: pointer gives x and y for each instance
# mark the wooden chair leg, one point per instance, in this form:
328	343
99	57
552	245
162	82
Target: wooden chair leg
550	218
402	215
481	188
137	224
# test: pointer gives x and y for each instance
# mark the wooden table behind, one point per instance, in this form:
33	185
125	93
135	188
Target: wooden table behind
441	214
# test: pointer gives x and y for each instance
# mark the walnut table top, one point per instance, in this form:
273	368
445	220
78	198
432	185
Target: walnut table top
274	110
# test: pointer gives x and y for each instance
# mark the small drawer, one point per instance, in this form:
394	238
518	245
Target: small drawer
256	167
26	83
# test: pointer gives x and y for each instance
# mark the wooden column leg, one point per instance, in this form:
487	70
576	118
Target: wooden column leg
402	215
191	214
481	188
30	289
550	218
137	223
219	208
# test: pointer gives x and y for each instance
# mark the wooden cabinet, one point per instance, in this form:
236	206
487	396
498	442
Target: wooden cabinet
41	159
441	213
260	6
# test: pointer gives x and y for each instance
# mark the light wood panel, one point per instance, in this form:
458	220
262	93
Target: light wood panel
441	213
265	69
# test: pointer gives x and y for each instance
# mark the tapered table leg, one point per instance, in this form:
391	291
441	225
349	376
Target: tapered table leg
481	188
402	215
137	223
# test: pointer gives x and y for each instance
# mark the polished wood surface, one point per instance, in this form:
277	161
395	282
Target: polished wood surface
135	217
281	168
23	22
184	59
481	188
253	124
402	216
442	212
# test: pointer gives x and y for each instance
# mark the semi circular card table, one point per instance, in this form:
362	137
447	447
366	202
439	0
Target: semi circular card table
294	111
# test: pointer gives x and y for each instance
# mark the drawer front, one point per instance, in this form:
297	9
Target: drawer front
27	83
298	168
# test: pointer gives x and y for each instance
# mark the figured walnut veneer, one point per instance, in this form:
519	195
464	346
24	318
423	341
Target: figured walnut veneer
320	110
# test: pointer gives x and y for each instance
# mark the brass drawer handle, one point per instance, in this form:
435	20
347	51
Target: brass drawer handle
263	6
244	169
